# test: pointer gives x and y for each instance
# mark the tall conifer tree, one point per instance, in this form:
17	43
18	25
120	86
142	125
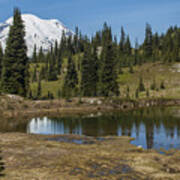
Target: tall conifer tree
136	52
71	79
39	88
34	58
41	55
108	75
15	77
122	40
89	72
1	59
127	46
148	42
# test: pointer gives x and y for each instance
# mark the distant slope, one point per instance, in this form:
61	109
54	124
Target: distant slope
38	31
167	73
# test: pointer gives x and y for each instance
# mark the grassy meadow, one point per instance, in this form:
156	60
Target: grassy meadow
150	72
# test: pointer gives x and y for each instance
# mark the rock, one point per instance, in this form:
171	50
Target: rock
99	102
91	101
15	97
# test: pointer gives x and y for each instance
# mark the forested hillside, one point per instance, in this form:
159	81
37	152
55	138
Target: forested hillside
80	66
102	66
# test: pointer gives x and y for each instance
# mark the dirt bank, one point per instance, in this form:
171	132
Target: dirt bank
14	106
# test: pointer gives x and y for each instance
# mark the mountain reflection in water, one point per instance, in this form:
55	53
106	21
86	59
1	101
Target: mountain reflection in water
151	128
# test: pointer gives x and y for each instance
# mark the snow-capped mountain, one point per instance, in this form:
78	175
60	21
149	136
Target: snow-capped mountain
38	31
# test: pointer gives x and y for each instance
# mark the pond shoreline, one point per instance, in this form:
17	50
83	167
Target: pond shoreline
19	107
51	156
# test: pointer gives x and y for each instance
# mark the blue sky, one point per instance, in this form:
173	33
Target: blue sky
89	15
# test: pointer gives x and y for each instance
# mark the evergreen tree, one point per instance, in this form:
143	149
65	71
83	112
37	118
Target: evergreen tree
39	88
63	44
70	47
30	96
127	46
76	40
34	77
52	71
162	86
70	80
89	72
46	70
59	93
15	76
131	70
137	93
85	84
136	61
120	69
59	62
56	48
127	92
108	74
50	95
94	66
153	85
141	85
122	40
41	55
147	93
43	73
1	59
156	47
97	40
81	43
34	58
148	42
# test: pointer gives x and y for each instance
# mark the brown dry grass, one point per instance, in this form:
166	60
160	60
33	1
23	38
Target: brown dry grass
32	157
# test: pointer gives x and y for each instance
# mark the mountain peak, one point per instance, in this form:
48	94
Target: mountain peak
42	32
25	17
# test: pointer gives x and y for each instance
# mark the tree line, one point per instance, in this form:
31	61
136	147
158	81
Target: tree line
92	64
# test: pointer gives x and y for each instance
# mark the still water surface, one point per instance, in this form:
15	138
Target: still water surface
152	128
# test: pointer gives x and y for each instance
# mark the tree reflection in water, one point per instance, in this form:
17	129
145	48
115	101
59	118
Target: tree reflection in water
152	128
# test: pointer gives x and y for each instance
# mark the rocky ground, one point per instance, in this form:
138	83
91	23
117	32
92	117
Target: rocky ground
12	106
30	157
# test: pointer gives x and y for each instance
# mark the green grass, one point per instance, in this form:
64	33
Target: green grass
52	87
33	65
149	71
